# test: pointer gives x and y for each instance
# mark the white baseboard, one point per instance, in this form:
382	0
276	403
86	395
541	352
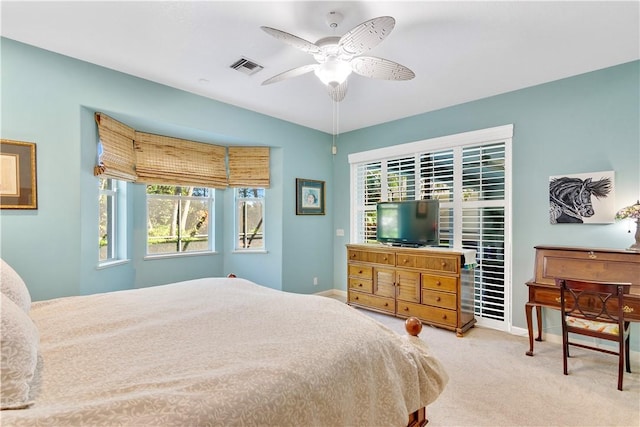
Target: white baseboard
333	292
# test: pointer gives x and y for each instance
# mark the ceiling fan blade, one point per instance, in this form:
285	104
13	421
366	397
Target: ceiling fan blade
379	68
366	35
295	72
295	41
337	92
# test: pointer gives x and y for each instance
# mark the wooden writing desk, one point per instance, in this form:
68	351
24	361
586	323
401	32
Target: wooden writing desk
603	265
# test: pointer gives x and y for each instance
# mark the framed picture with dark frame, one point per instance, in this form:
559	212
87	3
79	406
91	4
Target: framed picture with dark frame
18	175
309	197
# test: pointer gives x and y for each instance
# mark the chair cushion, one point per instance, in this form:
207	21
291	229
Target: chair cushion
608	328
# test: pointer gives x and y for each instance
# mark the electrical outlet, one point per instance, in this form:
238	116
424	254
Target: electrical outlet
315	281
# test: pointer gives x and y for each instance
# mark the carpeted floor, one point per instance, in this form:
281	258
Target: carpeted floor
493	383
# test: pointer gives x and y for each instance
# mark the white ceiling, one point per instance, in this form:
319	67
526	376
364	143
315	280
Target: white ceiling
460	51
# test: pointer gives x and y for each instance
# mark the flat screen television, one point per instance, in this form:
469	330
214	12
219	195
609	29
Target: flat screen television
408	223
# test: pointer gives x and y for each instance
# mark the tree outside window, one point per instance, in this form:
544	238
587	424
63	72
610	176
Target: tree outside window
178	219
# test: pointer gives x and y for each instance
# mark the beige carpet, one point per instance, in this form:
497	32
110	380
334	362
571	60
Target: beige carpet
493	383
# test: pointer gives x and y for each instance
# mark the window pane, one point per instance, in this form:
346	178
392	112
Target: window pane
106	219
483	230
249	221
401	179
178	219
436	176
194	226
103	234
483	172
161	226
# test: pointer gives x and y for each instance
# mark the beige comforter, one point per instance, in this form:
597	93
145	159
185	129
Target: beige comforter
222	352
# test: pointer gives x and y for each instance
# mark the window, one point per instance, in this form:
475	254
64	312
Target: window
178	219
467	173
249	223
112	221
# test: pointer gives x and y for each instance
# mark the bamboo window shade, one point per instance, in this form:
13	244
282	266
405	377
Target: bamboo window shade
249	167
117	158
167	160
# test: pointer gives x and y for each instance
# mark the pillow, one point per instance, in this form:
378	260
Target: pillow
14	287
19	355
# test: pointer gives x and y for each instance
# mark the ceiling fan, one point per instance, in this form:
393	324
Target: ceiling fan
337	57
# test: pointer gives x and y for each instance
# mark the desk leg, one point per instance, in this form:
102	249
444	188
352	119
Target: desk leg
528	308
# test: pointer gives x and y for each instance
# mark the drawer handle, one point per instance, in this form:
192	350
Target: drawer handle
406	309
385	258
438	299
443	263
360	272
356	298
592	255
558	299
360	284
405	261
444	317
627	309
386	304
438	283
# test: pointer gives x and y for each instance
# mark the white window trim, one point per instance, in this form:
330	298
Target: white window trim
482	136
119	194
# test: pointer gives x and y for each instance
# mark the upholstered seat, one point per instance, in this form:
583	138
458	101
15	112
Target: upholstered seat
595	309
608	328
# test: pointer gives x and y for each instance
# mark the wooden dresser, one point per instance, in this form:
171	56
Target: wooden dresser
602	265
428	283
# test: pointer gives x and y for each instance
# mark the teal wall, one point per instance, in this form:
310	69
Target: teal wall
587	123
50	99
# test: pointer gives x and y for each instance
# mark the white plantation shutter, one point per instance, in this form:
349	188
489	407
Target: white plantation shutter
467	174
436	182
483	224
368	193
401	179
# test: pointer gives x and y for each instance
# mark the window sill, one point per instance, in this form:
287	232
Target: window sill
250	251
178	255
114	263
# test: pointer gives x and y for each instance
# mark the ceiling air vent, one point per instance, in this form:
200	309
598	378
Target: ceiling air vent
246	66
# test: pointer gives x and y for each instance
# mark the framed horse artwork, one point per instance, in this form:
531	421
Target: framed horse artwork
586	198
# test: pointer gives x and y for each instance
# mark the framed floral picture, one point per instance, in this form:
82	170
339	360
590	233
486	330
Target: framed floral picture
18	175
309	197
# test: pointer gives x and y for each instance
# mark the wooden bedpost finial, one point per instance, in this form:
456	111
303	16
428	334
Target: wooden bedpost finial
231	275
413	325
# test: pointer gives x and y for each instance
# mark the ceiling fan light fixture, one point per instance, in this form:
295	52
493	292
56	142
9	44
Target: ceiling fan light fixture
333	72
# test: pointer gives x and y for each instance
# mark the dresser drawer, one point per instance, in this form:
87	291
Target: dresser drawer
427	313
439	299
362	285
428	262
361	271
373	256
372	301
439	283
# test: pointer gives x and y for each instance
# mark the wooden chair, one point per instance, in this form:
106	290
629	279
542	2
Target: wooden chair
594	309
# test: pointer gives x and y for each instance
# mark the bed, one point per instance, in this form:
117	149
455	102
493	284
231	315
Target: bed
213	351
